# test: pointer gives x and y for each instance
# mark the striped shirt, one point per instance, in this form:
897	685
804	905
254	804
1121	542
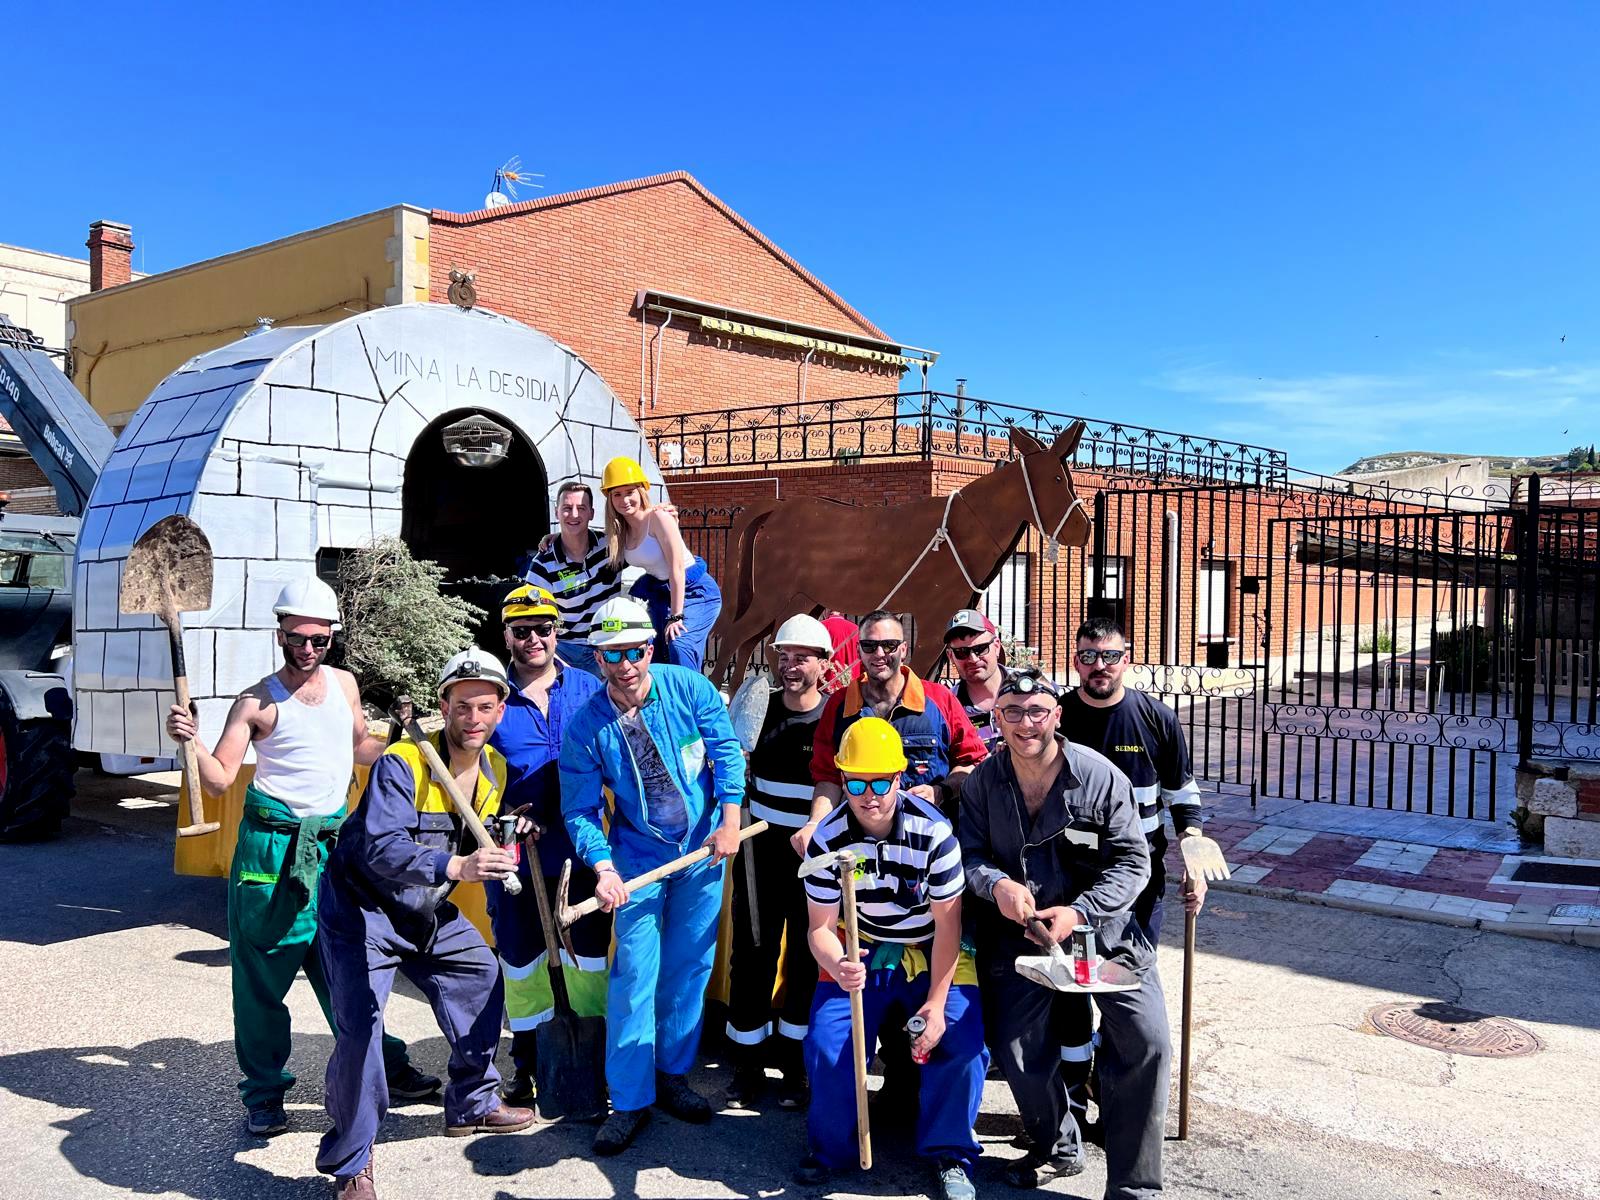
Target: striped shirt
898	876
579	588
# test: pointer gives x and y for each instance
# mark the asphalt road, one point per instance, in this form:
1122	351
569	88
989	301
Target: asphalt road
117	1074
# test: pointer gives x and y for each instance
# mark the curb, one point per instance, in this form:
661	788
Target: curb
1566	934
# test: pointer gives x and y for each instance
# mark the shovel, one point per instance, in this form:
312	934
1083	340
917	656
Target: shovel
1054	970
168	571
570	1071
1202	857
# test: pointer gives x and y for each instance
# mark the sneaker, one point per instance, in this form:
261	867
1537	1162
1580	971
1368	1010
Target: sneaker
503	1119
358	1186
1032	1170
267	1120
411	1084
621	1127
954	1184
811	1171
674	1094
746	1088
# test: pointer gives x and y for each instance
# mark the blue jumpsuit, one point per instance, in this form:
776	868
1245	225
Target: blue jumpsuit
382	908
667	932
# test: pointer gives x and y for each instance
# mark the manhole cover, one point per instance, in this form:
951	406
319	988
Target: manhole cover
1592	911
1454	1030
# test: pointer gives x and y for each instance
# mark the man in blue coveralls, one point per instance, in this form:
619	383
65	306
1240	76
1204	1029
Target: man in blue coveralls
545	695
383	907
659	737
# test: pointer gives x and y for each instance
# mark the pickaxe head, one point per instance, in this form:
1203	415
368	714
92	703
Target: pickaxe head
837	860
564	916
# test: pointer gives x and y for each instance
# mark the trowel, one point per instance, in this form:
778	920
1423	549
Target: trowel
1054	970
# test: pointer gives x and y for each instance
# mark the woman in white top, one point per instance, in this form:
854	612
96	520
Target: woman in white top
683	598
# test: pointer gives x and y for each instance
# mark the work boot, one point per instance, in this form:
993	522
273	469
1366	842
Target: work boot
520	1088
621	1127
953	1182
1034	1169
674	1094
266	1120
504	1119
408	1084
811	1172
749	1081
358	1186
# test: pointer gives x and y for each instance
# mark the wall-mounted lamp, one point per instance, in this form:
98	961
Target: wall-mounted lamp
476	441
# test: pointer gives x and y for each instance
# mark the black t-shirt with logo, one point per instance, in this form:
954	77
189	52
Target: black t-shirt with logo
780	765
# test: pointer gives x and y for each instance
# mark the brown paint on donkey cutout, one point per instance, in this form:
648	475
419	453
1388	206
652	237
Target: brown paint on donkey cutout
810	554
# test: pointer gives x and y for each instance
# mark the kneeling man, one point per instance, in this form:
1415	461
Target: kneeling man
908	899
384	907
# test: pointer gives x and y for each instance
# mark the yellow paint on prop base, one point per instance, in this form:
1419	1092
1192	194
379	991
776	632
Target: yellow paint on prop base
212	855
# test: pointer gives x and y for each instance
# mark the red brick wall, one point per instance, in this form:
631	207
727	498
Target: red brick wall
573	270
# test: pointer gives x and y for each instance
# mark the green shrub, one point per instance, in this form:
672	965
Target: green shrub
1468	656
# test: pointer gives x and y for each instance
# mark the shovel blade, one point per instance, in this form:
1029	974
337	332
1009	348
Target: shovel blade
1202	857
571	1071
1046	972
168	569
748	710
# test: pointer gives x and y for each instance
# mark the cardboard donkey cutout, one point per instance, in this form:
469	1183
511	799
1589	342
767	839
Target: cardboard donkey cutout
927	558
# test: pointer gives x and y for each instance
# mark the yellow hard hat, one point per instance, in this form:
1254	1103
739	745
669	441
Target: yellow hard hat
621	472
528	601
871	746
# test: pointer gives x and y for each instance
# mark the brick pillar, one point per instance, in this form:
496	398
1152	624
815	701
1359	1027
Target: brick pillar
110	254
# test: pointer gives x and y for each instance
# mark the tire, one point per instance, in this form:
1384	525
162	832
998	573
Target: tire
36	762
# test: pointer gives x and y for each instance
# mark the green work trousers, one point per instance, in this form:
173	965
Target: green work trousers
272	931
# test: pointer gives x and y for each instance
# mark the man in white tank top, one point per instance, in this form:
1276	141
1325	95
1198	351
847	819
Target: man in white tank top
306	724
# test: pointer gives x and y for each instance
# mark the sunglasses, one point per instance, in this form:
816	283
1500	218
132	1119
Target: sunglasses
962	653
1110	657
319	641
1033	715
858	787
523	632
881	647
633	654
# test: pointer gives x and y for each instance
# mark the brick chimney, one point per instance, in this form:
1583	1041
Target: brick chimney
110	254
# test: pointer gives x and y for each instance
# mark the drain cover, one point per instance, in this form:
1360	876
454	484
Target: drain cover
1454	1030
1592	911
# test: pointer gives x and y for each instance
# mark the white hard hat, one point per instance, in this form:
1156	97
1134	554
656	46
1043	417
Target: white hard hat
308	596
621	621
473	663
806	632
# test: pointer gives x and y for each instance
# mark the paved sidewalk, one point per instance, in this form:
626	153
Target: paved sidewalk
1443	869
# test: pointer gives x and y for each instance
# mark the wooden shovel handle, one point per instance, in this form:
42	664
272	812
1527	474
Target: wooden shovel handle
577	912
858	1024
1188	1026
447	781
198	825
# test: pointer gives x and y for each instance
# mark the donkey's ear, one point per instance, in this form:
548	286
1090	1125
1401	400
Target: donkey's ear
1024	442
1066	443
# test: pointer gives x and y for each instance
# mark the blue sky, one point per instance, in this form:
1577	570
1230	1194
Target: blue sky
1337	229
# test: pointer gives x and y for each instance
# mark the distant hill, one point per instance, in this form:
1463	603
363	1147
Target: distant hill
1401	460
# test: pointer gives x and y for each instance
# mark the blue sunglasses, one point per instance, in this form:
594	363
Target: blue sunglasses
633	654
858	787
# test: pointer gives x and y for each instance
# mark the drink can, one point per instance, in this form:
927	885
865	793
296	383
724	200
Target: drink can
1085	956
505	829
915	1028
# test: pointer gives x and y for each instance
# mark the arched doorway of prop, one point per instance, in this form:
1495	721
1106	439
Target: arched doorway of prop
475	501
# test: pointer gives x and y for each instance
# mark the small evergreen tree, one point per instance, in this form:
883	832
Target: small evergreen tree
400	629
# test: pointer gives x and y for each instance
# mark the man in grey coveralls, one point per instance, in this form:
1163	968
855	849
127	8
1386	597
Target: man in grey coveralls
1050	830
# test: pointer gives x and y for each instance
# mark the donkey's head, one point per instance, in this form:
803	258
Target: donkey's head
1056	508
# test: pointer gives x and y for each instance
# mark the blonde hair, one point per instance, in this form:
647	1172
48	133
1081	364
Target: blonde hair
616	527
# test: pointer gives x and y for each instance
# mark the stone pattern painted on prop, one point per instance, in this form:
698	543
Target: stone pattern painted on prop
279	460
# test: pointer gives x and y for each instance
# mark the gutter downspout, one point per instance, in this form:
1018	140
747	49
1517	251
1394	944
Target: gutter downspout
655	375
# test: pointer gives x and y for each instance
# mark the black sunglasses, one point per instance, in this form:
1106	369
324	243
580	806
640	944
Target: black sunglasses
962	653
888	646
319	641
523	632
1110	657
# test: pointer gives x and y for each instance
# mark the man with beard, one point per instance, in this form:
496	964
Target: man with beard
780	791
306	725
1049	830
972	644
660	739
545	694
385	908
1142	737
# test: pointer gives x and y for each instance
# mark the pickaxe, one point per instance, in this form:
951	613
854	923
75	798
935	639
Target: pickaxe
844	861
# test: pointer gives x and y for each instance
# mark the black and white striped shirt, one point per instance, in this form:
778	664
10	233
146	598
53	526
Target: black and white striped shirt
579	588
899	876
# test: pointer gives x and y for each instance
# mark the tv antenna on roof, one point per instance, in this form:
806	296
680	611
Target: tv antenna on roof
506	181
